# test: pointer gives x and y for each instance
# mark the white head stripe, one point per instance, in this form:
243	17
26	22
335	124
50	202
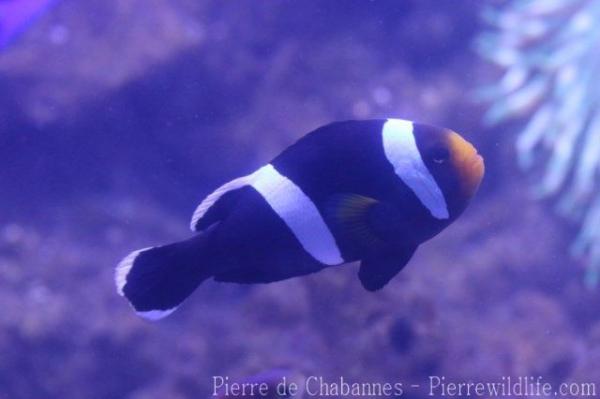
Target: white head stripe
299	213
401	151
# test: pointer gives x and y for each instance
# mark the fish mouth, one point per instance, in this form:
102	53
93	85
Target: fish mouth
473	173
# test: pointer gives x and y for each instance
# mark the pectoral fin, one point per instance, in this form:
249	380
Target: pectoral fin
350	214
365	219
376	272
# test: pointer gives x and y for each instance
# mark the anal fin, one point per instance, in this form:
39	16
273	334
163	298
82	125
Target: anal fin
377	271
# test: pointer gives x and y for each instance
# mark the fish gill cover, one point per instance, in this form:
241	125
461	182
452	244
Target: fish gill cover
549	51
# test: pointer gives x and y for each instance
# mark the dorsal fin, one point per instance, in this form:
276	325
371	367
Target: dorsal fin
207	213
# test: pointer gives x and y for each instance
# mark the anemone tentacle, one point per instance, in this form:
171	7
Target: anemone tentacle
549	51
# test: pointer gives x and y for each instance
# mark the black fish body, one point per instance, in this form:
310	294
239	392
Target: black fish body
368	191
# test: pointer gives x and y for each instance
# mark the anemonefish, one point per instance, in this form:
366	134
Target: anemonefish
369	191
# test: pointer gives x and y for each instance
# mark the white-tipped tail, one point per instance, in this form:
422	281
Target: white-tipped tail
156	280
156	314
124	267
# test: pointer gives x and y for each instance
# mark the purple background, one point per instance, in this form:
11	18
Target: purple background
117	117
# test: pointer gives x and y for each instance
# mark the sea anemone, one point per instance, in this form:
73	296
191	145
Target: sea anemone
549	51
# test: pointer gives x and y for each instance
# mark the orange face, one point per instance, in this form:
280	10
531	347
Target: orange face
454	163
466	162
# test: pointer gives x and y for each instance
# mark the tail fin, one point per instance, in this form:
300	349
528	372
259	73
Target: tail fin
157	280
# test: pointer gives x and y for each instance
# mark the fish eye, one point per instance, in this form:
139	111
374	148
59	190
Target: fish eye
440	155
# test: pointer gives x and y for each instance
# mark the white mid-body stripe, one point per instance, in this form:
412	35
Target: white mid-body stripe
401	151
299	213
290	203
